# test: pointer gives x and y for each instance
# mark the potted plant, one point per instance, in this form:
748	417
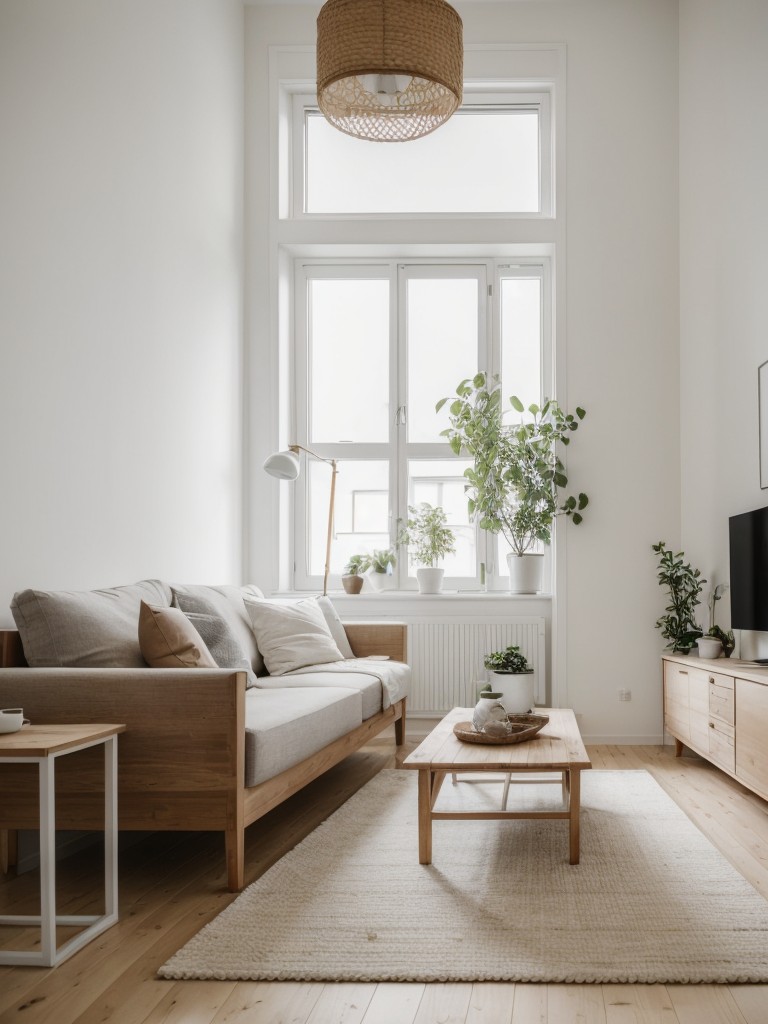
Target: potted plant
352	580
429	539
684	584
717	641
515	482
380	567
512	677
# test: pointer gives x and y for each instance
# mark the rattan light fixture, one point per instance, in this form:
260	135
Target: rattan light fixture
389	70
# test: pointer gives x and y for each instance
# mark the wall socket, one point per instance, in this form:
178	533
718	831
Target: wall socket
625	695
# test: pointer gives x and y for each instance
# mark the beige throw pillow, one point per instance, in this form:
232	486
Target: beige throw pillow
291	635
169	640
336	626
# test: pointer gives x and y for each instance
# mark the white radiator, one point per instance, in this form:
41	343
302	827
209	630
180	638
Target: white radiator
446	659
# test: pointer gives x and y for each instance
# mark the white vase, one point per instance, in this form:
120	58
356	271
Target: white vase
381	580
430	580
516	689
709	647
525	572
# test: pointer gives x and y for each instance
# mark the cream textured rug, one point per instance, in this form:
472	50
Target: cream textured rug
651	901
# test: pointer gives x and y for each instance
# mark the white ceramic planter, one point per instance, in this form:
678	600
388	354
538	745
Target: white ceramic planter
516	689
709	647
381	580
430	580
525	572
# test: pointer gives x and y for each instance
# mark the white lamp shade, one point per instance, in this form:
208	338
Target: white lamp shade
283	465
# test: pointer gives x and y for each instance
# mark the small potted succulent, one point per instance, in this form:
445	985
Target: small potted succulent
430	539
512	677
352	580
380	569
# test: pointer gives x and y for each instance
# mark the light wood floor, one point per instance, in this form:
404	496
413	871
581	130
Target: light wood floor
171	885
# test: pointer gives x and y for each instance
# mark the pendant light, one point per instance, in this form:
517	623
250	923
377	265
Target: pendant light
389	70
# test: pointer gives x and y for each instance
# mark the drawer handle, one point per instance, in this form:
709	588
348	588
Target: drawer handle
683	671
712	679
711	725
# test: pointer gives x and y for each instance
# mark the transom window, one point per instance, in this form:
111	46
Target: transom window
377	345
493	156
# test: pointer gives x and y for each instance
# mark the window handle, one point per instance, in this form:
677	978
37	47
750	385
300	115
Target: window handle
401	416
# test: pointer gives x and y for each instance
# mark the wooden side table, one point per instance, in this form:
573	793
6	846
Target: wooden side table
41	745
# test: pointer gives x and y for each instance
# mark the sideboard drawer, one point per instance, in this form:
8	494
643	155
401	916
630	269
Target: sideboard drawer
721	745
721	704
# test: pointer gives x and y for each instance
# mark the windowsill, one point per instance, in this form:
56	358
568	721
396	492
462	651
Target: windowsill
414	595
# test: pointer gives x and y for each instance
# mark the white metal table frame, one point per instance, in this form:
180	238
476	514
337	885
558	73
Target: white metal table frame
49	955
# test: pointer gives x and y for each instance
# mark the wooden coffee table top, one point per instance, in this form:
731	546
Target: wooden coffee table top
558	745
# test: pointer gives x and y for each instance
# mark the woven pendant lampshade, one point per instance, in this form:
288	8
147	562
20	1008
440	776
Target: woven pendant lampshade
389	70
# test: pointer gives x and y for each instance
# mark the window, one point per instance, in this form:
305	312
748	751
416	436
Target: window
377	344
501	141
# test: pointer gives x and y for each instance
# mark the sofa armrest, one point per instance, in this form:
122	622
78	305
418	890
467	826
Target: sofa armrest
366	638
185	730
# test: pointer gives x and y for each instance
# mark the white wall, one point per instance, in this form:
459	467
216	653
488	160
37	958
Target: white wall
620	323
723	269
120	291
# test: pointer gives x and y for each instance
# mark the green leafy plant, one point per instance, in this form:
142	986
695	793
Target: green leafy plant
426	535
514	484
509	660
684	584
357	565
726	638
382	560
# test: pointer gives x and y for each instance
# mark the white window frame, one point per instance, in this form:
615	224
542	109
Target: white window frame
397	449
505	98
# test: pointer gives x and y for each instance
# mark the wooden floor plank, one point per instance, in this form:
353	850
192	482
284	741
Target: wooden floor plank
530	1004
263	1002
393	1001
191	1002
638	1004
444	1003
345	1003
491	1003
752	1001
575	1004
705	1004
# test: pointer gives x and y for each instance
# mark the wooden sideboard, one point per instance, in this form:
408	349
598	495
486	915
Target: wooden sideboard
719	708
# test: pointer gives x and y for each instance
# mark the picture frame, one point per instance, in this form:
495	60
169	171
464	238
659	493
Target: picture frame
762	408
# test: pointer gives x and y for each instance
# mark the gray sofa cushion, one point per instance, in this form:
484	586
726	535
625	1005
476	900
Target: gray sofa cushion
85	629
285	725
369	688
226	602
218	637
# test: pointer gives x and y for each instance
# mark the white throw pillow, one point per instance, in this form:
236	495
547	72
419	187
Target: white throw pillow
336	626
291	635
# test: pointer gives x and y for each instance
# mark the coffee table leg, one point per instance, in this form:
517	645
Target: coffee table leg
425	816
575	800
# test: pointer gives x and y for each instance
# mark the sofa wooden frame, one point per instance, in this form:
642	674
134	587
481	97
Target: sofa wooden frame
182	757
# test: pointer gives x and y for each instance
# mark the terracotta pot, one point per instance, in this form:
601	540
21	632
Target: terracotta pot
352	584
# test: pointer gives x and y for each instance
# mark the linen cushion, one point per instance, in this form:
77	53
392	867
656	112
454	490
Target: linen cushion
85	629
283	726
222	643
227	602
169	640
335	625
291	635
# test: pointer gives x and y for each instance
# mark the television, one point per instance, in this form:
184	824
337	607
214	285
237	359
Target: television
748	540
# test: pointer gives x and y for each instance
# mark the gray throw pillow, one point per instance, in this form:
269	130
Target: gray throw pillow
222	643
226	602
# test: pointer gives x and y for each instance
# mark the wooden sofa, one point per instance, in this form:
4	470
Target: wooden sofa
182	757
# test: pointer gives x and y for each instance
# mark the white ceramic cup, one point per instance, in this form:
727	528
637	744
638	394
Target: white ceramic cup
12	719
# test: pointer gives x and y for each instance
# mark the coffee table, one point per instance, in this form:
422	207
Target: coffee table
558	747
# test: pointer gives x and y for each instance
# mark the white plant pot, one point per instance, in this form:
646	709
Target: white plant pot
430	580
709	647
516	689
381	580
525	572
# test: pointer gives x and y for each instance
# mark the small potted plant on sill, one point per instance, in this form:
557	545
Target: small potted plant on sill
429	539
380	568
352	580
684	584
516	478
512	677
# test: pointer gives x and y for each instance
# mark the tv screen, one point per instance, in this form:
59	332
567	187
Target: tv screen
748	535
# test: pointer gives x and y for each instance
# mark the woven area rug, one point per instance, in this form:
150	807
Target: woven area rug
651	901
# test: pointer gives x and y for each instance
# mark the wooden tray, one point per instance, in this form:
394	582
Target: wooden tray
523	727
